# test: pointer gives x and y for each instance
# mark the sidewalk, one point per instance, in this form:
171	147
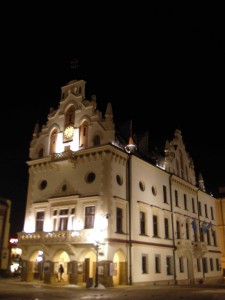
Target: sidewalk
17	280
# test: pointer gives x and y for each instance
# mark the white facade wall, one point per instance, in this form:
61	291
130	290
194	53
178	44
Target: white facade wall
143	218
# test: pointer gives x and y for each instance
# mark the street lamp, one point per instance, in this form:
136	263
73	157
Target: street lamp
96	268
130	149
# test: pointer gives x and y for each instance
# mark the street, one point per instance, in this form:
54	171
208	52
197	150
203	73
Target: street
15	289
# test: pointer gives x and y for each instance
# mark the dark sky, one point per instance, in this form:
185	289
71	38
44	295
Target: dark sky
161	67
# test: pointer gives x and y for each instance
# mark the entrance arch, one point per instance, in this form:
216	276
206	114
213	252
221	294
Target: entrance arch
120	268
88	258
61	257
36	260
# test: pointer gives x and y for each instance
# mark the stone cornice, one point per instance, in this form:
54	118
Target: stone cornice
183	183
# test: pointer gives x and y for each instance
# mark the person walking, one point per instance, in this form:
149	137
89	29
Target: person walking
60	272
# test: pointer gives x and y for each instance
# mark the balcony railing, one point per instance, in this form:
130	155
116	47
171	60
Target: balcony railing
54	237
63	155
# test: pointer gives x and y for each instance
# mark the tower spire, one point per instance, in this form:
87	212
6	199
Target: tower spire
131	147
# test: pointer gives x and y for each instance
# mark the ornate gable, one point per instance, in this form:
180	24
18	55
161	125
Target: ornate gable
177	160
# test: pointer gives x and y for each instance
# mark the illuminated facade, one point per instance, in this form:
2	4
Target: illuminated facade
96	207
220	211
15	257
5	210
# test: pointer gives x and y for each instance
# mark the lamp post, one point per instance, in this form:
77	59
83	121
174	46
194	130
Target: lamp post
96	268
130	149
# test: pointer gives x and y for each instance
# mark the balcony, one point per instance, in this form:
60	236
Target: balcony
63	155
85	236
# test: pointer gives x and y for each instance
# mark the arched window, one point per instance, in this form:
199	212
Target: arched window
53	139
84	135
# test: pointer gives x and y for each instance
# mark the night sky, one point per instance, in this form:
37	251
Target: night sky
162	68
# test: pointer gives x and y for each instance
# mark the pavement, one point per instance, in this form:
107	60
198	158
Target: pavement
100	286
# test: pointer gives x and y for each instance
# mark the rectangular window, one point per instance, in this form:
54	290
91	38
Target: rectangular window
155	226
119	220
212	215
142	222
166	228
201	234
144	264
71	219
187	231
208	237
63	219
204	265
55	220
185	201
89	217
200	208
211	264
217	264
193	205
206	211
169	265
63	223
214	237
164	194
157	264
176	198
194	228
181	264
178	229
199	269
195	236
40	220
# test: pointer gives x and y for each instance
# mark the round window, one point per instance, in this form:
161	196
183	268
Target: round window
142	186
43	184
119	179
90	177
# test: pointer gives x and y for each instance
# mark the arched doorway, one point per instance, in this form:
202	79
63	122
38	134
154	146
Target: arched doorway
88	259
61	257
120	268
37	259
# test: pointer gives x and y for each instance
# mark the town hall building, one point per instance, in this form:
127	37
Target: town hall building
108	215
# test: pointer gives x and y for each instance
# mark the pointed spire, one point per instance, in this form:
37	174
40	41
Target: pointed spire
131	147
36	128
167	146
109	111
201	183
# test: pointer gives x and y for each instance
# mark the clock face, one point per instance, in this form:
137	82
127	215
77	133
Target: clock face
68	132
